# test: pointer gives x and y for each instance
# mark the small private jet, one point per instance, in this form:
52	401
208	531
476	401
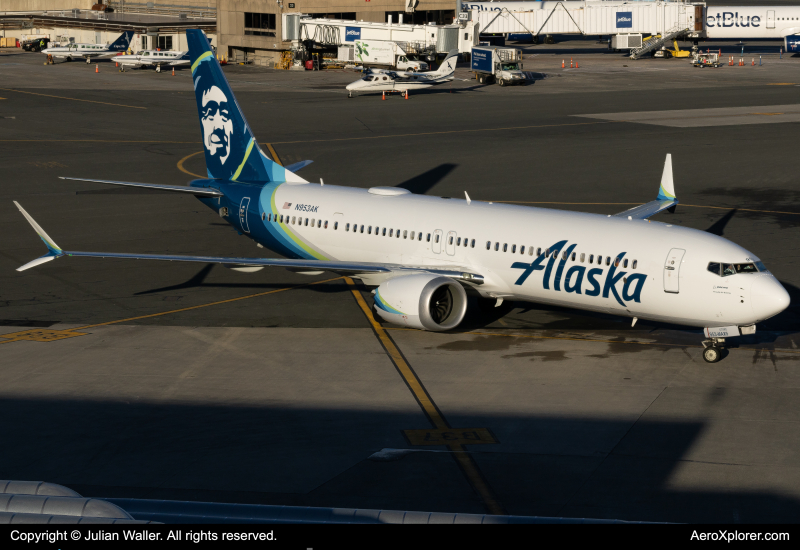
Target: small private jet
381	80
152	58
91	51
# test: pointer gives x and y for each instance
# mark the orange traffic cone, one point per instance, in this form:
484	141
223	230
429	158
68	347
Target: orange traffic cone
384	97
406	94
570	62
97	68
576	64
116	64
562	63
754	62
173	71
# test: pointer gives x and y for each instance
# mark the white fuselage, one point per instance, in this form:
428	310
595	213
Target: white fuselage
154	57
662	273
81	51
381	82
752	21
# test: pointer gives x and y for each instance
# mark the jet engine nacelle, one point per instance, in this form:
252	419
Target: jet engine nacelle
424	301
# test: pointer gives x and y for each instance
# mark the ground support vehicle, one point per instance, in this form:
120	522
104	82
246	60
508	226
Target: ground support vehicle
498	63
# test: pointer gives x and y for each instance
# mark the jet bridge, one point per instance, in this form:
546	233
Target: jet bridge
669	20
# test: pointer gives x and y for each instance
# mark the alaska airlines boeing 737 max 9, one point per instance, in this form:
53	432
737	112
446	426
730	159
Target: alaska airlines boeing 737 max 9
421	251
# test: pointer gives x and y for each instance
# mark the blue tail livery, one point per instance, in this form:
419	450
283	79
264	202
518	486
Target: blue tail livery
121	44
231	150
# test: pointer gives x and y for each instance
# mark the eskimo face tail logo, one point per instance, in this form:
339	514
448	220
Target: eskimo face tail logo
217	124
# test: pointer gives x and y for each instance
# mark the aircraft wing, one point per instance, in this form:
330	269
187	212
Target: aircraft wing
179	62
664	201
54	251
198	191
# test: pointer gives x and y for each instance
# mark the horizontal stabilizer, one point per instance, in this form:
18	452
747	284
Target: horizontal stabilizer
298	165
200	192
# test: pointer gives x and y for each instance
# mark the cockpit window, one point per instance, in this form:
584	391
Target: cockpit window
724	270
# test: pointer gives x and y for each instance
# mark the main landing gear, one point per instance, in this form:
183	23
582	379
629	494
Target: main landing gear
713	349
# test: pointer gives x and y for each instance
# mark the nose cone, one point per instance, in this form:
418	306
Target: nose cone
352	85
768	297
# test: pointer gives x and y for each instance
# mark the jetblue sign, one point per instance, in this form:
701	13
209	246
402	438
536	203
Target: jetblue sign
624	19
351	34
732	19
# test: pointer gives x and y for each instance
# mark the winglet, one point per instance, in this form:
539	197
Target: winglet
667	189
53	250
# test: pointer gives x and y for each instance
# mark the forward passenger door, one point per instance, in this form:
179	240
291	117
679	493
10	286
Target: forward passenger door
672	270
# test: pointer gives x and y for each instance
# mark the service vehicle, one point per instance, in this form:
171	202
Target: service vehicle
498	63
387	53
710	59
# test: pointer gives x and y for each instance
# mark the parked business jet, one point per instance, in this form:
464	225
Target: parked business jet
378	80
91	51
152	58
422	251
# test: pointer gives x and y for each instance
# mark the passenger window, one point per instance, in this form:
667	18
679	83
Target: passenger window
319	224
513	248
608	260
306	221
728	269
397	233
625	263
419	236
281	218
294	220
538	251
530	251
591	258
391	232
313	222
451	240
522	250
564	255
384	232
335	226
714	267
583	256
546	252
369	230
405	234
488	245
505	247
616	261
412	235
496	247
269	217
437	238
573	256
347	227
263	216
428	238
326	224
458	241
362	228
473	243
634	264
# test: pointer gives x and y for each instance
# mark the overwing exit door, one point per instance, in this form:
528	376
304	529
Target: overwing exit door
243	214
450	243
672	270
436	245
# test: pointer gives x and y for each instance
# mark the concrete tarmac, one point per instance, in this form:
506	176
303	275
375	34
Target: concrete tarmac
151	380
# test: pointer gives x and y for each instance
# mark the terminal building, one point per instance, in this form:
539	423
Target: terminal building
242	30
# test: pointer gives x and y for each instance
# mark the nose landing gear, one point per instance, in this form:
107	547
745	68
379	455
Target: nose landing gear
713	349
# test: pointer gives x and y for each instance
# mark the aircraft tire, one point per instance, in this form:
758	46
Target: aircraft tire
712	354
501	82
88	60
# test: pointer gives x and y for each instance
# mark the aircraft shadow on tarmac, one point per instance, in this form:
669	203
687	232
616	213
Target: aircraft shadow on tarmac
579	466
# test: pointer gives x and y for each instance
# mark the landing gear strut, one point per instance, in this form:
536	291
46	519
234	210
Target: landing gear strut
713	349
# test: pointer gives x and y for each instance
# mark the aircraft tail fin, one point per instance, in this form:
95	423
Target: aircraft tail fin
121	44
231	150
448	66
